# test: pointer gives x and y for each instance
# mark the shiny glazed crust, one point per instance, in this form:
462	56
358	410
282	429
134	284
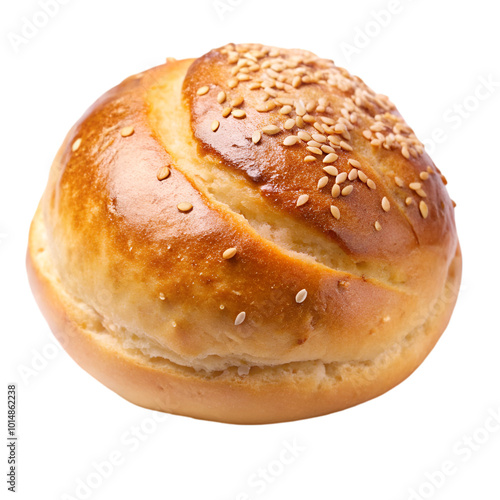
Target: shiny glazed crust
339	304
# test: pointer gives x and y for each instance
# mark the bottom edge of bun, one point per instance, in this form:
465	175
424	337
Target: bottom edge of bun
266	394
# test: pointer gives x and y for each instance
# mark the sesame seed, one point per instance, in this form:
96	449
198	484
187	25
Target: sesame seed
377	225
354	163
429	169
232	83
330	158
347	137
229	253
367	134
309	158
347	190
254	86
309	119
127	131
285	110
302	134
424	210
301	296
327	120
415	185
272	73
215	125
345	146
289	124
256	136
310	107
424	175
371	184
299	122
271	130
322	182
335	211
334	140
76	144
335	190
377	127
314	150
353	174
362	176
399	182
319	128
226	112
238	113
342	177
314	144
409	201
163	173
319	137
237	101
300	109
184	207
290	140
161	295
386	205
327	149
297	81
221	97
302	199
405	152
240	318
331	170
340	128
203	90
421	193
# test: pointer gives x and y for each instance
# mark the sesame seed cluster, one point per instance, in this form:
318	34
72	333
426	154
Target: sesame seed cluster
318	127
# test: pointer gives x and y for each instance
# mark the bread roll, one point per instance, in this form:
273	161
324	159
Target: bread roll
252	236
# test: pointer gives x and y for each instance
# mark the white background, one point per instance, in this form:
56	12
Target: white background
430	58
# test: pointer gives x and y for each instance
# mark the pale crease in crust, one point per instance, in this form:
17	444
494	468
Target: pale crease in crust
144	350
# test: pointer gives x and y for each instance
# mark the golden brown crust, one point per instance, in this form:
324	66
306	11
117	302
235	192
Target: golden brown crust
113	248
